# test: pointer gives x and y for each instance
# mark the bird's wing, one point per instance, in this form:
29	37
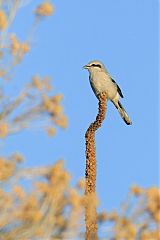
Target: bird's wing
118	88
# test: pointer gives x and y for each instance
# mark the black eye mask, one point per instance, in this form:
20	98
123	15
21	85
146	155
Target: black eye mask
96	65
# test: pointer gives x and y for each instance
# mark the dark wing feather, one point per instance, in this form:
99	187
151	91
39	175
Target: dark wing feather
118	88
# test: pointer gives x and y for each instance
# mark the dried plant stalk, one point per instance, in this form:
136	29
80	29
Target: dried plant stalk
90	175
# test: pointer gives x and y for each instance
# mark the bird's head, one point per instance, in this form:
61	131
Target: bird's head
94	66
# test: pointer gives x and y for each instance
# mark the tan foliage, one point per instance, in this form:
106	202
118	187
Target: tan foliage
35	101
3	20
42	210
52	208
3	129
7	169
136	219
44	9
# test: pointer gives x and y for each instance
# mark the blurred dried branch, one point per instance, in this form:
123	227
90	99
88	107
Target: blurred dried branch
138	218
35	106
50	208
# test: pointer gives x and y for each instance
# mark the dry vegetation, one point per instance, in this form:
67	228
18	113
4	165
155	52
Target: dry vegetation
50	208
90	175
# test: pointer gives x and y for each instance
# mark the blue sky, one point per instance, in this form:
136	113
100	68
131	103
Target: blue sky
124	35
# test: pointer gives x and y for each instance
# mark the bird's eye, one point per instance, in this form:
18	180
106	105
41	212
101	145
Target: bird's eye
96	65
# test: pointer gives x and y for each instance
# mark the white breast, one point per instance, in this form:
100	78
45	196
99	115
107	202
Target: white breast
101	82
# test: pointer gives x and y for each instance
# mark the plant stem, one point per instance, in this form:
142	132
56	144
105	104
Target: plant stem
90	174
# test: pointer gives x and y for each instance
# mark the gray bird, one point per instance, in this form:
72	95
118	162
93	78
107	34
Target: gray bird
101	81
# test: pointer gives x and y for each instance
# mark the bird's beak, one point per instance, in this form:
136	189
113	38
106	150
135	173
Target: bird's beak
85	67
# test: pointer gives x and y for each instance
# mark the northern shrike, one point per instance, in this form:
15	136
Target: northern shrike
101	81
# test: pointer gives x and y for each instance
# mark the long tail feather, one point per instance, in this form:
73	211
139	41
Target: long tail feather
123	113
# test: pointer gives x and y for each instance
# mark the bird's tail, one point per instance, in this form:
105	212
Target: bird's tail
123	113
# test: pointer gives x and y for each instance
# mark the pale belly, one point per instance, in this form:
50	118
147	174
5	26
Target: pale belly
102	83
